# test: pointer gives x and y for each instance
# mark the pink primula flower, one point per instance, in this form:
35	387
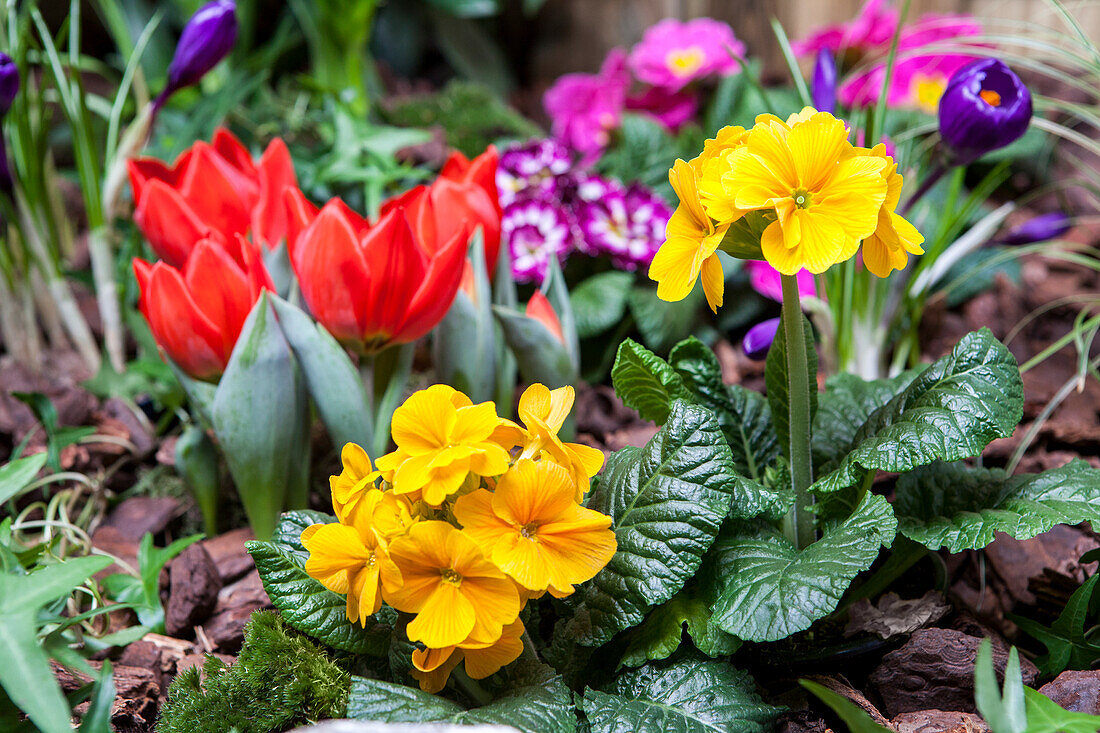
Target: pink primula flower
872	29
585	108
671	109
674	53
767	281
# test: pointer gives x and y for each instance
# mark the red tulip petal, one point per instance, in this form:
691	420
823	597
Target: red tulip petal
419	213
396	266
169	223
143	170
220	290
437	290
300	213
269	217
252	262
483	173
539	309
218	192
230	148
456	167
185	334
464	205
332	272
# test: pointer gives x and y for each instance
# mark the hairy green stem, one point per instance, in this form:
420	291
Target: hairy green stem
800	521
471	687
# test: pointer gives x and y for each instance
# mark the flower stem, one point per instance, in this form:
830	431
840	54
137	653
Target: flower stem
470	687
800	521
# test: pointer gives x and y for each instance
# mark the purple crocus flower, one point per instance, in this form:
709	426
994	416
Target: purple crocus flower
759	339
207	38
1039	229
9	82
824	82
535	231
531	170
984	107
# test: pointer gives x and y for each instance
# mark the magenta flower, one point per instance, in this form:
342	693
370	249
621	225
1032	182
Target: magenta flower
627	225
872	29
766	280
585	108
671	109
535	231
674	53
531	169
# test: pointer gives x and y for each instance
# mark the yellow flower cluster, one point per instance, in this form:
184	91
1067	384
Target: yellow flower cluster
471	517
819	195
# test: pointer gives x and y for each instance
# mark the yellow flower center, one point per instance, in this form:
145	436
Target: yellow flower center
528	531
685	61
450	576
802	198
927	91
990	97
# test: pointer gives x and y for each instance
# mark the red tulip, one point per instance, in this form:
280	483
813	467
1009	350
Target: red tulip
372	286
212	191
196	312
539	309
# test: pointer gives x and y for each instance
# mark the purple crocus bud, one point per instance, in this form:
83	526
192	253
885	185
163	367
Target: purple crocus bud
984	107
759	339
824	82
207	38
1039	229
9	82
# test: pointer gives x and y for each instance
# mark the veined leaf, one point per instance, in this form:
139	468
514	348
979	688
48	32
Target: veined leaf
668	501
844	407
688	697
661	323
311	608
537	708
855	717
961	507
1046	716
952	410
663	629
769	590
1066	640
288	532
600	302
645	381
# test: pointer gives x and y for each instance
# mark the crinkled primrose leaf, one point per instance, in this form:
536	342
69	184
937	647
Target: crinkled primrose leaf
952	410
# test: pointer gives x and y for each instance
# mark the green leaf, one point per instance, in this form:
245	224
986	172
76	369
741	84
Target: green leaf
288	532
663	629
844	407
661	323
688	697
330	377
855	717
744	415
952	410
540	355
25	674
98	717
1046	716
310	607
16	475
1003	714
600	301
537	708
777	378
742	239
472	52
961	507
645	381
769	590
1066	640
667	501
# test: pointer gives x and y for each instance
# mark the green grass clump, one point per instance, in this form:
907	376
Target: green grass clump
280	680
470	114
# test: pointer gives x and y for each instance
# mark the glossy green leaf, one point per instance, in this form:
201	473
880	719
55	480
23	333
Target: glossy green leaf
667	501
663	629
768	589
1066	640
687	697
310	607
844	407
645	382
332	380
537	708
600	302
952	410
1004	714
1046	716
288	532
259	407
16	475
960	507
661	323
777	378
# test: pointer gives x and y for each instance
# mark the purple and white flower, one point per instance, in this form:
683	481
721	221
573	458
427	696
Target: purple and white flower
532	170
535	231
627	225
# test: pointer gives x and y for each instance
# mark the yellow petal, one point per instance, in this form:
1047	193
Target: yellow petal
816	145
446	618
497	604
714	282
482	662
533	492
474	423
424	422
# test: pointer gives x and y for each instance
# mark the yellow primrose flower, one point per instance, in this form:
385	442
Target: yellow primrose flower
456	593
441	437
538	534
352	561
543	411
691	238
354	483
394	514
826	197
432	667
888	249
